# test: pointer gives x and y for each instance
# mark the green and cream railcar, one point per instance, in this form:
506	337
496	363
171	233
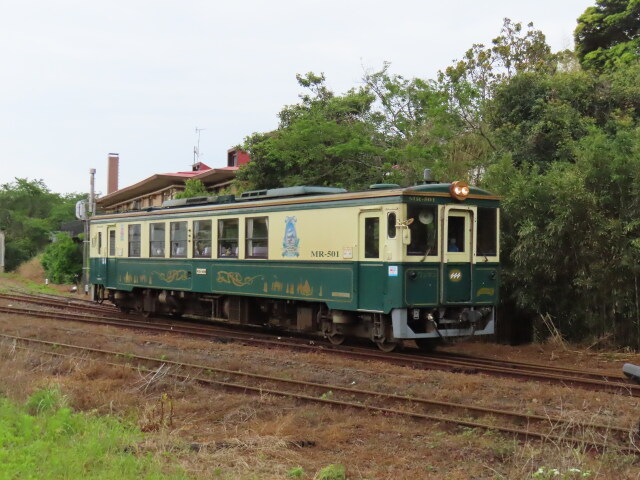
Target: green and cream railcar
388	264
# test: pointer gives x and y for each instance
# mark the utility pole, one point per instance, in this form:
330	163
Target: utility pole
84	210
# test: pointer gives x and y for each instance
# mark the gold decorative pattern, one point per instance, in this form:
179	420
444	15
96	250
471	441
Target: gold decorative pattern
236	279
172	276
305	289
485	291
131	279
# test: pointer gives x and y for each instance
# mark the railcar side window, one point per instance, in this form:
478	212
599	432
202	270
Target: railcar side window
371	237
178	239
391	225
202	239
112	243
257	237
99	243
156	240
456	234
424	230
134	240
487	232
228	238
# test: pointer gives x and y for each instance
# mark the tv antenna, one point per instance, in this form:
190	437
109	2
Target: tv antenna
196	149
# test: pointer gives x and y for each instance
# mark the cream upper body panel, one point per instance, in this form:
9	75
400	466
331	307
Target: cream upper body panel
314	234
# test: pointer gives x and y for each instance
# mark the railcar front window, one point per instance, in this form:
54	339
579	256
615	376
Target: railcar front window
424	230
257	237
156	242
178	238
228	231
134	240
371	237
487	232
456	234
202	239
391	225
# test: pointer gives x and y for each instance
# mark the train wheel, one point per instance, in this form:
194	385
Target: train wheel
336	338
427	344
386	346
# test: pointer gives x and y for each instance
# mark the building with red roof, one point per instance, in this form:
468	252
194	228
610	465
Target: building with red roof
153	191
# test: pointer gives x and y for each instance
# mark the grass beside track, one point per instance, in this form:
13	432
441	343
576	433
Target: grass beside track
44	439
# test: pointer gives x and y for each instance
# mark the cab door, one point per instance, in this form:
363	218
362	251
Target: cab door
98	255
457	253
370	274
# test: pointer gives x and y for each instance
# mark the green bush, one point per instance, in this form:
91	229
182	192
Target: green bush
62	259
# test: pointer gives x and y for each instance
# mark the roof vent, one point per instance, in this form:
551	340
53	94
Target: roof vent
192	200
183	202
290	192
383	186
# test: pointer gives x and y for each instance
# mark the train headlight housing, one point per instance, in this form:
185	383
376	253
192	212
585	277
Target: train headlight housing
459	190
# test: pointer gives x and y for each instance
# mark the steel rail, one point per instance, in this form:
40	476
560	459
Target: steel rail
604	430
62	302
527	365
610	385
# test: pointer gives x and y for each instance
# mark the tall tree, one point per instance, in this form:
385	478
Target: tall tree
326	139
415	124
28	213
608	34
536	117
471	84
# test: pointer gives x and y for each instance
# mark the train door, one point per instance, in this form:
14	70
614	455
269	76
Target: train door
457	253
111	256
98	265
370	264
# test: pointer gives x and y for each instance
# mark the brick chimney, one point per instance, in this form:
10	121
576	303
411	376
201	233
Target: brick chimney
112	175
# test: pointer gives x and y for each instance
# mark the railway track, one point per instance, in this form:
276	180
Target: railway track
58	301
592	436
446	362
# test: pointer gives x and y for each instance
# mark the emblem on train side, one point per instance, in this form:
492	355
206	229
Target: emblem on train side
291	241
455	275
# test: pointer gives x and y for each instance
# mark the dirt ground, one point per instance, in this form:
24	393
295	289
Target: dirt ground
214	433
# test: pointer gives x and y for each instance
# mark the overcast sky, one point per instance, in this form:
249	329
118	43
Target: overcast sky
82	78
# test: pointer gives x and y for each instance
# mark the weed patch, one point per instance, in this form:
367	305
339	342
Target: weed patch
331	472
296	472
44	439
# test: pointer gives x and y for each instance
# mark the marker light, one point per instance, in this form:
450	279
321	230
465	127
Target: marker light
459	190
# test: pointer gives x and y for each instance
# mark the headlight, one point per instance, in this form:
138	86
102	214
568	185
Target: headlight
459	190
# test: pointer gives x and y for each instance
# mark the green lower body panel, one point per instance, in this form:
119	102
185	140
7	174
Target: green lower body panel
457	281
368	286
333	284
486	282
460	284
422	285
